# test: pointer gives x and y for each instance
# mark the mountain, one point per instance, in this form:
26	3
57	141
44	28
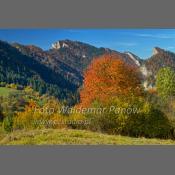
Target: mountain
52	62
18	68
79	55
76	54
71	58
59	70
67	58
136	60
160	58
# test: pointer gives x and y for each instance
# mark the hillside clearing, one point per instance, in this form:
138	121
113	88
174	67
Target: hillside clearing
4	91
74	137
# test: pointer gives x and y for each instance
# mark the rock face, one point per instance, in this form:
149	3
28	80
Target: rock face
59	44
135	58
160	58
56	45
157	50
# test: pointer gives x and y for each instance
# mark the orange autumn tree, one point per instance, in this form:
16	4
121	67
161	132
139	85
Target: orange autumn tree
108	76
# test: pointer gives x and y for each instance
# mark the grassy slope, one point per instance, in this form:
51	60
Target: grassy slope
68	136
5	91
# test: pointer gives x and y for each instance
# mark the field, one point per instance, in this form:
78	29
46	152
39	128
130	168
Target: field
74	137
6	91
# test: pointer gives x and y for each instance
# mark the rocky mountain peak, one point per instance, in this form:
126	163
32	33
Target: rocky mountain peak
60	44
157	50
135	58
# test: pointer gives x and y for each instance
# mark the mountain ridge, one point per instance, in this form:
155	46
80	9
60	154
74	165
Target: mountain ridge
67	60
15	67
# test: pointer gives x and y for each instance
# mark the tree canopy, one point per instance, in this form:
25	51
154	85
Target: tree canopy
108	76
165	82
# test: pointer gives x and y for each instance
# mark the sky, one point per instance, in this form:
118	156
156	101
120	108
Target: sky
138	41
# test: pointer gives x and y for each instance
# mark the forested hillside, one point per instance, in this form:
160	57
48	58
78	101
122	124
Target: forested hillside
18	68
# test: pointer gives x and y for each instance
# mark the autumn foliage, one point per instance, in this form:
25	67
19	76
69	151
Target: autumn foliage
108	76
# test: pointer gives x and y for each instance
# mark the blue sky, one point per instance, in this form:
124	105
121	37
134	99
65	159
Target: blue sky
138	41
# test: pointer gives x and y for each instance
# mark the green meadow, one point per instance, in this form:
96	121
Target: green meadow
74	137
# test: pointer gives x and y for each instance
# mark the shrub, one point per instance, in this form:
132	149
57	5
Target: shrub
13	86
37	117
7	124
2	84
78	121
143	120
101	121
150	122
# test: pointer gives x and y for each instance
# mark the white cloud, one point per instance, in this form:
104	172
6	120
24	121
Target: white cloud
126	44
170	48
114	44
157	36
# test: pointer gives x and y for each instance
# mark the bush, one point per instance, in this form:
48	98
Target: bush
12	85
142	121
7	124
150	122
2	84
101	121
37	117
78	121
